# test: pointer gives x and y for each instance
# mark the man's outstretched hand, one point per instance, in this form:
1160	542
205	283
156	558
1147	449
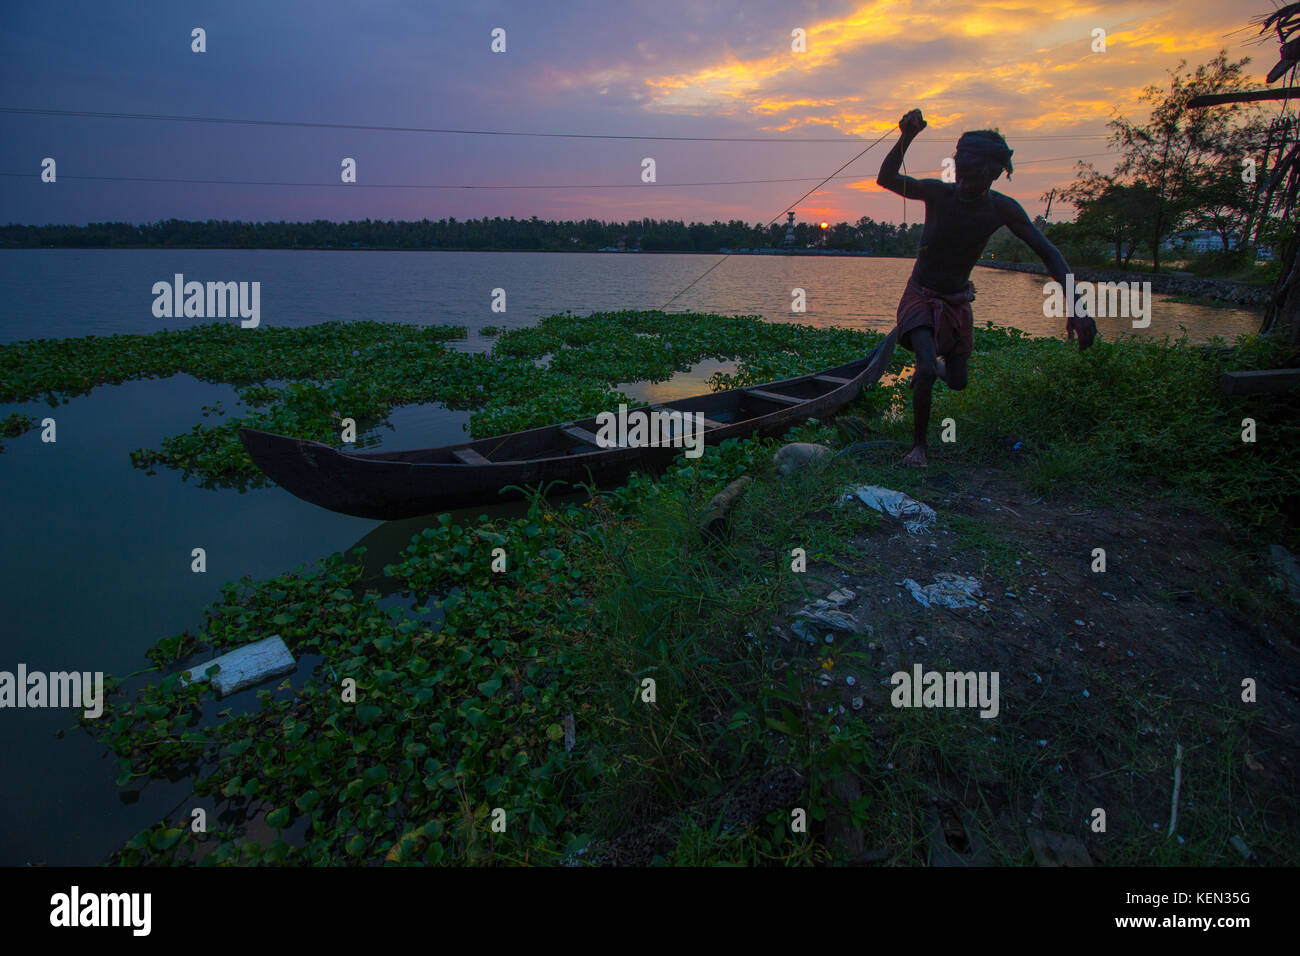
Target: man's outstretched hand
912	123
1082	325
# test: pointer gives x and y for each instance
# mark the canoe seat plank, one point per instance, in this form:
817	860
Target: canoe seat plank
579	434
708	422
833	380
1259	381
774	397
468	456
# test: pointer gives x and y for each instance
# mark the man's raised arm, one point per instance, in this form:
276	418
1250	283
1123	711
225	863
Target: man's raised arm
1017	221
907	187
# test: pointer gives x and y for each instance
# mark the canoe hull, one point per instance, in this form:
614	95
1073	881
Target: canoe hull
391	485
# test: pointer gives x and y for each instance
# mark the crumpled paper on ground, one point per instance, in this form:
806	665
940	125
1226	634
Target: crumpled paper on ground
916	516
948	590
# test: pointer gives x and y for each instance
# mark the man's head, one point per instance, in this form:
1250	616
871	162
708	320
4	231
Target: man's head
981	157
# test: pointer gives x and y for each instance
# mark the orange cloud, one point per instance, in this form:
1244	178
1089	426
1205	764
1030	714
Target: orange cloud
1009	63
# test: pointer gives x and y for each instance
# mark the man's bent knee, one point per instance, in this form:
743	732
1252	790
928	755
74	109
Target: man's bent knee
956	374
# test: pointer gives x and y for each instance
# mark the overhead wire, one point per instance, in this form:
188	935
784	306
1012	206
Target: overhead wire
343	185
779	215
303	124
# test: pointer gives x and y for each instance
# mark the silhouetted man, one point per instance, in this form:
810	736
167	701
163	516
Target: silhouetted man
934	314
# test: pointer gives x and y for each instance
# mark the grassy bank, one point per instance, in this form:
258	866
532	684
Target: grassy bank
466	687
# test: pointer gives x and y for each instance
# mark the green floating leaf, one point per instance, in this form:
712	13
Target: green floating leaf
166	839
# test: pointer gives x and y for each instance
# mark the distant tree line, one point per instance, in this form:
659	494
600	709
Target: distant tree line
649	235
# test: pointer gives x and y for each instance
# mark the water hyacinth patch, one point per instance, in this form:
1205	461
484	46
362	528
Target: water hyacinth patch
362	370
466	708
14	425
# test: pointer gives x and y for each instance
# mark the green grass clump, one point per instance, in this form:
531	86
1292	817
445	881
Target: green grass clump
1134	414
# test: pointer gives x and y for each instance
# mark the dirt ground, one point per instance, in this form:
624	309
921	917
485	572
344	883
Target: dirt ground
1103	676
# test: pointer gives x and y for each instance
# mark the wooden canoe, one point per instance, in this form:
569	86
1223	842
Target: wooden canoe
405	484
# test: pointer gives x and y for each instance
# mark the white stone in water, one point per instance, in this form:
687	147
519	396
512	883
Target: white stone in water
244	666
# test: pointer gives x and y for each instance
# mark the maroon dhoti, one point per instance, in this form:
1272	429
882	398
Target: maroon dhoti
948	317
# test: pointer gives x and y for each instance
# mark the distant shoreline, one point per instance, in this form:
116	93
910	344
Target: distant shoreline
1233	292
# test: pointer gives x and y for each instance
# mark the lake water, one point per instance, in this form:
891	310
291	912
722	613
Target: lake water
55	293
96	565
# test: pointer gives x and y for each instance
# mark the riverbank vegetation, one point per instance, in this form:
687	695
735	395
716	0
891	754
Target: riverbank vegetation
523	691
1126	411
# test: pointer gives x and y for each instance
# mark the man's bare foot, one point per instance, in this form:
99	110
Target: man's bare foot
915	457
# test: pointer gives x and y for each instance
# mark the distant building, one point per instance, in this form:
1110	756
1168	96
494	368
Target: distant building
1198	241
789	241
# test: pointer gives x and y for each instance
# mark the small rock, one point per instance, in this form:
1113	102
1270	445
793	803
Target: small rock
1288	569
790	457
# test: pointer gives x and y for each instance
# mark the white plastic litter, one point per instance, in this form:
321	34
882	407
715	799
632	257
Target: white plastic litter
822	615
916	516
245	666
948	590
807	623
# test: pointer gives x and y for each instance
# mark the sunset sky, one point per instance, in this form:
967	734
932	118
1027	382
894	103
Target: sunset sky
662	68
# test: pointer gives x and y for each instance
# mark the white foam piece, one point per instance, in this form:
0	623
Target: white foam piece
245	666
